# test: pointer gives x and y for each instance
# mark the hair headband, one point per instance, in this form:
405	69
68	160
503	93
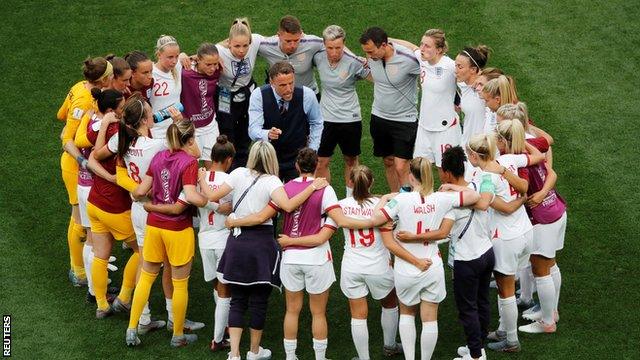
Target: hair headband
471	57
107	72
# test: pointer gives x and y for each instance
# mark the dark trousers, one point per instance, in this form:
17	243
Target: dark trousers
236	127
255	298
471	289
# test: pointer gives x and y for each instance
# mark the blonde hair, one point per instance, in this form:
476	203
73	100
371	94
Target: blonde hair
484	145
420	168
240	27
163	42
512	132
439	39
502	86
179	133
515	111
361	178
262	158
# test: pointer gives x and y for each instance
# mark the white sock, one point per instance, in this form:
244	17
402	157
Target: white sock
320	348
87	258
169	308
509	317
407	328
290	348
360	335
428	339
389	321
348	191
500	324
145	317
547	296
221	318
557	283
526	284
215	296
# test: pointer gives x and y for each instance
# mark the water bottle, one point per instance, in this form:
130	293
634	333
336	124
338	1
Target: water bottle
164	114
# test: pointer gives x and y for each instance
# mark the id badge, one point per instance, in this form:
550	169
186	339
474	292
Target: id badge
224	100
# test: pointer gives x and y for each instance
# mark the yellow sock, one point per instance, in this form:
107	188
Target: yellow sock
99	276
140	297
76	244
129	278
180	300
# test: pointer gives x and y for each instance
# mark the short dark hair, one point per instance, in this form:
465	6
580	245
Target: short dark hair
307	160
281	67
290	24
376	35
453	160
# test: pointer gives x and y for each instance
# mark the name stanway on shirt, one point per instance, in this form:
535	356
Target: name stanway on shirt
364	251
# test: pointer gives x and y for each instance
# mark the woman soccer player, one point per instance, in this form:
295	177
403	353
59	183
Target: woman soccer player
418	270
169	236
109	211
199	86
121	74
510	229
439	124
238	55
107	101
469	63
141	73
366	269
250	263
339	71
167	82
97	73
496	92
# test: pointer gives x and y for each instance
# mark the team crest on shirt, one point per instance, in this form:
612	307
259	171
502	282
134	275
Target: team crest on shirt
301	57
439	71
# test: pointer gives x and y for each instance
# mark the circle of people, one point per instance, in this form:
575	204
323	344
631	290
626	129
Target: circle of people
135	130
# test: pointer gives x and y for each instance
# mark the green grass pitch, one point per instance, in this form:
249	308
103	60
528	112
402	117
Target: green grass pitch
575	63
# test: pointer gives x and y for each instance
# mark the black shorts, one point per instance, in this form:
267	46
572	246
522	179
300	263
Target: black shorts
393	138
347	135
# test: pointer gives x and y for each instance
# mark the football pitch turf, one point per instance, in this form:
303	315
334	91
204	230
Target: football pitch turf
575	64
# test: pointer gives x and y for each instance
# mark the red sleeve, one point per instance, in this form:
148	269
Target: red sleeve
335	206
328	226
274	206
190	174
539	143
523	173
461	199
384	212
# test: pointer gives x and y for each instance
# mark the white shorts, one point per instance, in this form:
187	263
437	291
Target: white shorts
549	238
210	261
513	254
83	198
428	286
207	140
316	279
139	221
356	286
431	144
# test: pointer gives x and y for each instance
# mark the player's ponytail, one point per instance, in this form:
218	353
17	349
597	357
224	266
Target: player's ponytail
361	179
240	27
420	168
512	132
222	149
484	145
107	99
179	133
133	115
504	87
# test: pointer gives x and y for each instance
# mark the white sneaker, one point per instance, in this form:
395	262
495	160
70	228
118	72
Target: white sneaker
263	354
468	357
538	327
464	351
229	357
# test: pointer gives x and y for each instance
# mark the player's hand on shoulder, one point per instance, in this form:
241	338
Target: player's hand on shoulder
319	183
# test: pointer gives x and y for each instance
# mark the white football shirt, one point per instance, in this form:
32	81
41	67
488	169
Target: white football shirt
166	92
438	82
257	197
213	234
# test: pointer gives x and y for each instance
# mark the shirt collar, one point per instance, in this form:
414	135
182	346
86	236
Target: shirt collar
278	97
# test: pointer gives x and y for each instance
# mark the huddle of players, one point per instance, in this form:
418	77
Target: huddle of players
498	205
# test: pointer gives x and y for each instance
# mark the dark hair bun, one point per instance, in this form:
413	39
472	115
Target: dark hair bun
222	139
96	93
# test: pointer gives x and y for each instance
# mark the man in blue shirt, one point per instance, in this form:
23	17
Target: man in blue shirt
286	115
